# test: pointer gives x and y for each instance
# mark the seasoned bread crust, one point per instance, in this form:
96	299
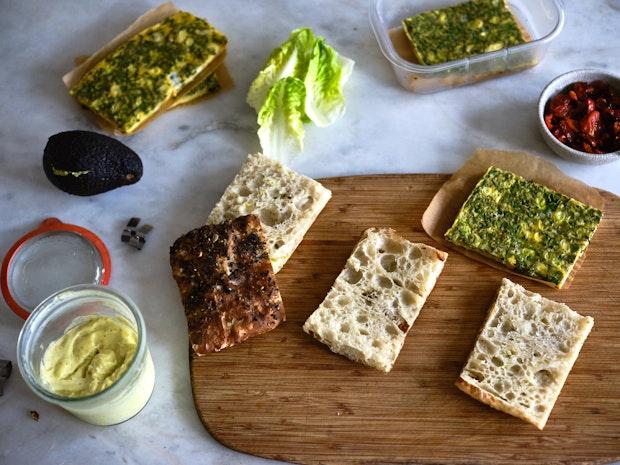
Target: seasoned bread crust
227	284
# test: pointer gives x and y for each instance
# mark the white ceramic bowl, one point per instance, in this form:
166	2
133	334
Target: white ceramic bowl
553	88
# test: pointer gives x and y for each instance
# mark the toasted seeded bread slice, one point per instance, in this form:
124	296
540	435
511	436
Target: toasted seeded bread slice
286	202
524	353
227	285
376	298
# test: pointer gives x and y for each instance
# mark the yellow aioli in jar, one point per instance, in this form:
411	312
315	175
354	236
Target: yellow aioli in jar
90	356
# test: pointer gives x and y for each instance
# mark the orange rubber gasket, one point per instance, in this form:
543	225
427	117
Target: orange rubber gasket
49	225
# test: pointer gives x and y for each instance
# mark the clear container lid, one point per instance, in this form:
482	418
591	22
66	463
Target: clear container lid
50	258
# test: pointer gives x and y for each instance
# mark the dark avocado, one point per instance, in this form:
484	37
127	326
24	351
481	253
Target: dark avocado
88	163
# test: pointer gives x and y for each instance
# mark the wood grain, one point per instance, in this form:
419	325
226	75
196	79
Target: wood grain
285	396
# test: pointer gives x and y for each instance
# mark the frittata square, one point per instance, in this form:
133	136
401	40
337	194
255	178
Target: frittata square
137	79
526	226
459	31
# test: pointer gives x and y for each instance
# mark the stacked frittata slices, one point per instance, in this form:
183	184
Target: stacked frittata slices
169	63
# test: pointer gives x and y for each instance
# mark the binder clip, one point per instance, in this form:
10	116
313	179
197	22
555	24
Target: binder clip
133	236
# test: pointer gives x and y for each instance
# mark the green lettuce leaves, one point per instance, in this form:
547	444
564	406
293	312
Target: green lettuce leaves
327	72
280	118
300	83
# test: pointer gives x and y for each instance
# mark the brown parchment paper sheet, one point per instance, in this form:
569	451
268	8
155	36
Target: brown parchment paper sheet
148	19
401	44
447	202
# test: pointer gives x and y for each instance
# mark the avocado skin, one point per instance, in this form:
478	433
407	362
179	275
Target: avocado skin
110	163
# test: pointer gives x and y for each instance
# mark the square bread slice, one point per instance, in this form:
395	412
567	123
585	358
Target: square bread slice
524	352
376	298
286	202
227	285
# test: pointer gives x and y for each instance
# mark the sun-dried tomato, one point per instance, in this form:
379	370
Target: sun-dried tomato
560	105
571	124
549	120
591	123
586	116
580	89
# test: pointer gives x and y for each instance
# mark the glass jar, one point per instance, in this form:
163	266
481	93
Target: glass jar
125	397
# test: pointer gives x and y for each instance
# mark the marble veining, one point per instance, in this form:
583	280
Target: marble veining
192	153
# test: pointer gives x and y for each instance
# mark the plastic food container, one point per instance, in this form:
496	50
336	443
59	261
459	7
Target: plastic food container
542	19
125	397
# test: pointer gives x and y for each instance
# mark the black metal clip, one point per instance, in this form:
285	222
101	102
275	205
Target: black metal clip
133	236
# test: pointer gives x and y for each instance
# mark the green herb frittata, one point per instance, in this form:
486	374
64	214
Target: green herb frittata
133	82
459	31
210	85
524	225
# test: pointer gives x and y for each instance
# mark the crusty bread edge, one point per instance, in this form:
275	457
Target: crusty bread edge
496	403
393	234
499	404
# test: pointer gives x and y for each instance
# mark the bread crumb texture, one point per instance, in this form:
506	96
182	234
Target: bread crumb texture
376	298
286	202
524	353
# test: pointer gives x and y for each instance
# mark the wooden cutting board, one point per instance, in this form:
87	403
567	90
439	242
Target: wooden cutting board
285	396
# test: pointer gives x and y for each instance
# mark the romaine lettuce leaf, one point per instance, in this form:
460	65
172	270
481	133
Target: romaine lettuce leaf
280	119
327	72
289	59
301	82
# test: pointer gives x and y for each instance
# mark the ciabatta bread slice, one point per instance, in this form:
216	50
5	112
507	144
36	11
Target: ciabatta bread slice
227	285
524	352
286	202
376	298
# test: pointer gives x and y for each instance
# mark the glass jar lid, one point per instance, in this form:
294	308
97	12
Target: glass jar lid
52	257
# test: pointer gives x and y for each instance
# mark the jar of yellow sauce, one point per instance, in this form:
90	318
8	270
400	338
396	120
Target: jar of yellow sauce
84	348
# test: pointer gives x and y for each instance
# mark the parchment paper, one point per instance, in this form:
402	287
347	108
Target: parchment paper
401	44
447	202
148	19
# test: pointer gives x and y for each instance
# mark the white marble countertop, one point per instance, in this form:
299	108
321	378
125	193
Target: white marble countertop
191	154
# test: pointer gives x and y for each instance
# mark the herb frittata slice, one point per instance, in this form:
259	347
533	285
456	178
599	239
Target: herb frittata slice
148	71
524	225
459	31
210	85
